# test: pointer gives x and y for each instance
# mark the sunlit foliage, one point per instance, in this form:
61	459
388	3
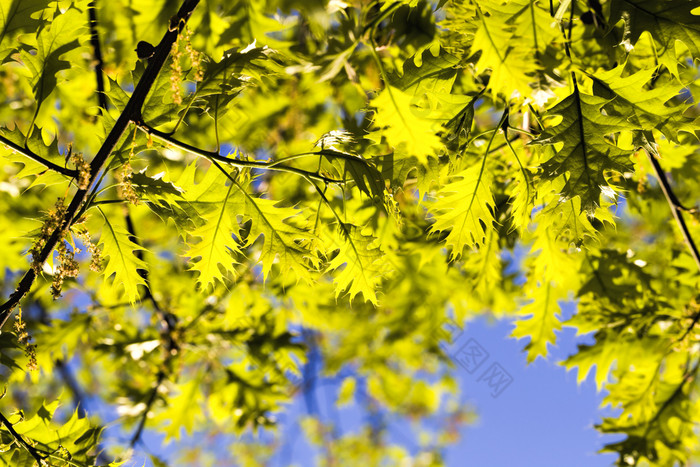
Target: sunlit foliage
199	199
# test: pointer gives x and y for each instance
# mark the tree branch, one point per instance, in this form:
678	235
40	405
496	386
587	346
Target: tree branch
36	158
215	156
676	207
63	370
97	54
131	113
72	384
149	404
690	327
167	320
20	440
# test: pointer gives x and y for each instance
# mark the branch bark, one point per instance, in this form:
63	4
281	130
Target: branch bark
131	113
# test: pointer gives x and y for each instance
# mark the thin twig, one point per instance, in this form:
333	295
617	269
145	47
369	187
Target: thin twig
669	401
36	158
131	113
676	207
169	324
168	320
97	54
676	210
696	318
149	404
20	440
215	156
72	384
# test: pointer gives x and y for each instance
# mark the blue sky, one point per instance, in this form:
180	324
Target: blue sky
542	418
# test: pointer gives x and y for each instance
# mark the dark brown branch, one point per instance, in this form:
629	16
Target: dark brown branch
131	113
20	440
215	156
97	54
676	209
35	157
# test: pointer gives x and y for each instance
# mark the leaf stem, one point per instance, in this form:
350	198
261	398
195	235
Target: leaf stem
526	175
167	319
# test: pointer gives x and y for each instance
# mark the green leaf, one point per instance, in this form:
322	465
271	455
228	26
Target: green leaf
361	257
427	72
62	337
522	198
645	109
512	68
397	168
406	123
159	106
184	409
121	262
35	143
18	16
667	21
463	208
362	171
415	104
346	392
75	439
602	355
59	39
220	202
283	241
155	188
533	23
665	435
223	80
217	245
539	321
586	155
